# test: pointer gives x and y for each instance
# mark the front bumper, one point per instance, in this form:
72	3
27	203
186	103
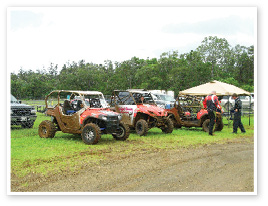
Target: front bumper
19	120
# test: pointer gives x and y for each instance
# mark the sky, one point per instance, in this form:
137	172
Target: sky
39	36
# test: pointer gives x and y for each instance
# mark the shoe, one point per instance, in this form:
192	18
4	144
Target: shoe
244	132
234	132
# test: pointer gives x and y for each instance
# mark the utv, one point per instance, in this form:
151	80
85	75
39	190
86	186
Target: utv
140	112
188	112
81	112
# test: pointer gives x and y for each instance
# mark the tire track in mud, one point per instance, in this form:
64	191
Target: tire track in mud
214	168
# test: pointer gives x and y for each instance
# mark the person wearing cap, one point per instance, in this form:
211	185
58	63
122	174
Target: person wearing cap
211	103
237	115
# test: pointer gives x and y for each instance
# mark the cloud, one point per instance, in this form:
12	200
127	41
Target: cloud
23	19
221	26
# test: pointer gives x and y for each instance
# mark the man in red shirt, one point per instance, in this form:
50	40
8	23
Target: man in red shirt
211	103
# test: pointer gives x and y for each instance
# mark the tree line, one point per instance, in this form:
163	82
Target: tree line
214	59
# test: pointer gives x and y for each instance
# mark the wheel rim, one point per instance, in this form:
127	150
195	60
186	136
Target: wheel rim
44	130
89	134
139	127
121	132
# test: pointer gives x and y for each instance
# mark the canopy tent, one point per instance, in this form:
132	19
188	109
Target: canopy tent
221	89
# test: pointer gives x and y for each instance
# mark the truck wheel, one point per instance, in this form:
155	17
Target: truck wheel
123	132
168	128
91	134
141	127
46	129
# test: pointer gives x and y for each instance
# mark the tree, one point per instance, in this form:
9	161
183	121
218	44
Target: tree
217	52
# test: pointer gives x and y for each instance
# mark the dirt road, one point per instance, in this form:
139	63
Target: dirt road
225	167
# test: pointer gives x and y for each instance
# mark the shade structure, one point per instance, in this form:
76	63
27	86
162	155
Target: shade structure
220	88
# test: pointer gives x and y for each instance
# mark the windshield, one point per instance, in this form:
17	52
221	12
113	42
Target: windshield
132	98
13	99
95	101
165	97
168	98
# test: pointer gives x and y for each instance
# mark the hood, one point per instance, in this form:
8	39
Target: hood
17	105
151	110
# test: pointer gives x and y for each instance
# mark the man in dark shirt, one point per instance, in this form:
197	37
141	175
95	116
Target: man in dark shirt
237	114
211	103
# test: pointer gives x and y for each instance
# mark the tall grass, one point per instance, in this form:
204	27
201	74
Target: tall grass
68	153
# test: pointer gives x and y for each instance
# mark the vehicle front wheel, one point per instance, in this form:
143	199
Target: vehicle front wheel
141	127
123	132
46	129
91	134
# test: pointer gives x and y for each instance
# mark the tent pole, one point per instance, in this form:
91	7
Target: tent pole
249	110
228	110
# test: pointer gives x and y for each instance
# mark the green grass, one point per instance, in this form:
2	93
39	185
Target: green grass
67	153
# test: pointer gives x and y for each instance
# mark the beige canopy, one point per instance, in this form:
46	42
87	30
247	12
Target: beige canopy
220	88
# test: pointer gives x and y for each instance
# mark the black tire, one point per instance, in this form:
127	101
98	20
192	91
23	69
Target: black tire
219	124
123	132
168	128
46	129
91	134
141	127
205	125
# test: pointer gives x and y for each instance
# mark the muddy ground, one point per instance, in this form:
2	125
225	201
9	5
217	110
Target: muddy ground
227	167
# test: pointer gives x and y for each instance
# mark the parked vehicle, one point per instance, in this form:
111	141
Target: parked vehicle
140	112
22	114
81	113
189	112
247	102
163	100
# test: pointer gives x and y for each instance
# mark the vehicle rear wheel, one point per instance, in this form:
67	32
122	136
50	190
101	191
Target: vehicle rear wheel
123	132
46	129
141	127
205	126
219	124
168	128
91	134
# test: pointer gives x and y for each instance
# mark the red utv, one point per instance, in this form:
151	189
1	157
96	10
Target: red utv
188	112
81	112
140	112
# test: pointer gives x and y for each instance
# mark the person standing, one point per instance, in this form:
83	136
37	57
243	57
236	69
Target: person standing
211	103
237	115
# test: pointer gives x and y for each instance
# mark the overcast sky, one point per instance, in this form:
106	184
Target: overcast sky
38	36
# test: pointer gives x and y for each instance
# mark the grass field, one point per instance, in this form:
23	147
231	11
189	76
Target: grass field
67	153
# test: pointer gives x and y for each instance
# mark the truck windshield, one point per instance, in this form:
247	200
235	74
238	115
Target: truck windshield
13	99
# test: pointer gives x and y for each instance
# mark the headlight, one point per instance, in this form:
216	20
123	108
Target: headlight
11	112
120	117
33	111
104	118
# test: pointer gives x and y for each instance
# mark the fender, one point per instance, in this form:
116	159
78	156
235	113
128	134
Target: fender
201	113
